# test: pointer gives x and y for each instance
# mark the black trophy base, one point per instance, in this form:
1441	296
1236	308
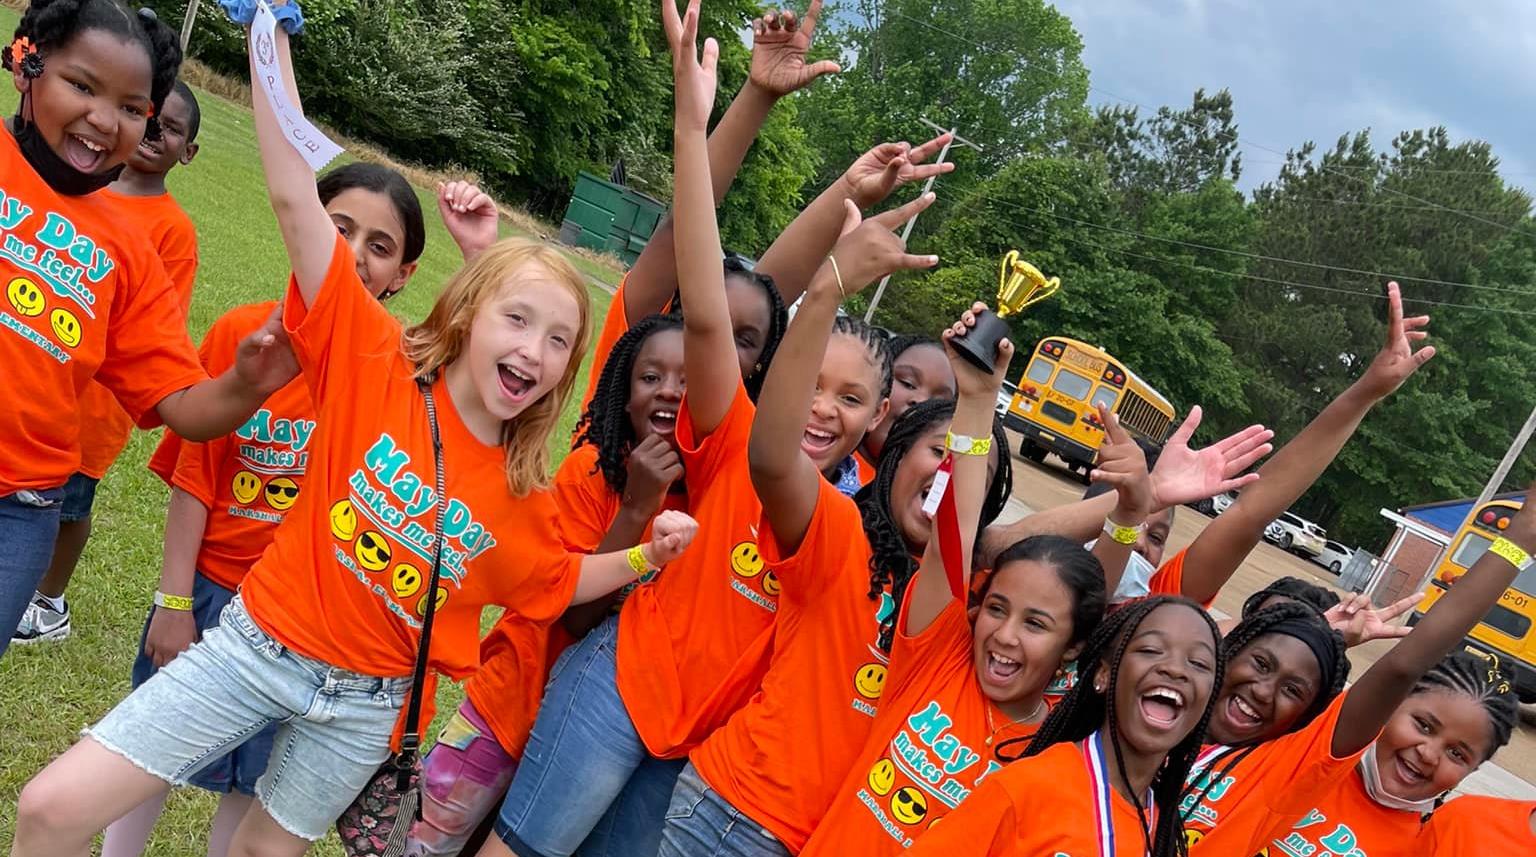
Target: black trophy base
979	344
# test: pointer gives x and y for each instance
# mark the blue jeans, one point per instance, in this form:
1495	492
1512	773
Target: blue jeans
701	823
333	733
29	523
580	756
79	497
632	825
242	767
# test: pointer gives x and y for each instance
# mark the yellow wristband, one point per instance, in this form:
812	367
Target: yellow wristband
1122	534
1514	553
966	445
173	602
638	563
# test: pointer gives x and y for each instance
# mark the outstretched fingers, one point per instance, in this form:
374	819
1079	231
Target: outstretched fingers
902	213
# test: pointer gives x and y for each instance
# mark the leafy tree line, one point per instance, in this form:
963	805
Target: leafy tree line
1236	302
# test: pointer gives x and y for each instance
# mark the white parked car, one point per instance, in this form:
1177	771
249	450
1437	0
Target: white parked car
1005	396
1334	556
1297	535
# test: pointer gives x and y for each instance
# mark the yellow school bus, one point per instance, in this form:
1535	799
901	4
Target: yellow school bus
1507	634
1055	409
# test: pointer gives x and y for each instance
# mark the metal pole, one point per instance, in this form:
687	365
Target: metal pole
186	24
906	230
1522	437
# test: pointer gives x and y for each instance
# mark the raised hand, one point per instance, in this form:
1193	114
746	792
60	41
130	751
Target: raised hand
470	216
870	249
671	533
264	360
1361	622
653	466
878	172
779	46
1123	464
1397	359
969	380
693	76
1184	475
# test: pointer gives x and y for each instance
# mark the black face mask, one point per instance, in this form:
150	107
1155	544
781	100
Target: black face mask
57	172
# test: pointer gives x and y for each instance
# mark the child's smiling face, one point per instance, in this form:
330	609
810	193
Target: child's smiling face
92	102
371	226
1165	679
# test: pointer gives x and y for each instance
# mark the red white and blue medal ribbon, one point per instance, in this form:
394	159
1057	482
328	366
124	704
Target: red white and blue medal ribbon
940	505
1103	794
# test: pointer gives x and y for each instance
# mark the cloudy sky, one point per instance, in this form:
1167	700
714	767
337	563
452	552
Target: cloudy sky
1315	69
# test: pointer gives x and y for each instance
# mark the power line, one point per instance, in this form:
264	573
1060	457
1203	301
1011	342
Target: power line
1231	136
1447	170
1261	278
1260	257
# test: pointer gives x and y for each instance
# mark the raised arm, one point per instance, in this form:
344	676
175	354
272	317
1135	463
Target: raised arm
709	348
1182	475
799	249
779	45
470	215
1222	546
973	418
601	573
1373	698
1121	463
786	480
306	228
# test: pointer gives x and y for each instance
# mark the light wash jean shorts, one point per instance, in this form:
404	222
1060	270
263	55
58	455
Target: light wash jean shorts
333	731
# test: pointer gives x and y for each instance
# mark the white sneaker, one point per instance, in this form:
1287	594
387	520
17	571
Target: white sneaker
41	622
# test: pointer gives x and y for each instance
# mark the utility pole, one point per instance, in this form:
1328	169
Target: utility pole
186	24
906	230
1522	437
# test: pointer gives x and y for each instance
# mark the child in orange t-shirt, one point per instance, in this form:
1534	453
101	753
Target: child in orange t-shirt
620	475
1474	825
142	198
1285	665
1102	776
86	298
229	495
431	452
959	694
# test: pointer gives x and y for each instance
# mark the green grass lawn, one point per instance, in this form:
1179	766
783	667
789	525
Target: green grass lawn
48	692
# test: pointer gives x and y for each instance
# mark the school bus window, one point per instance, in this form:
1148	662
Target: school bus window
1039	371
1104	396
1071	384
1526	582
1471	547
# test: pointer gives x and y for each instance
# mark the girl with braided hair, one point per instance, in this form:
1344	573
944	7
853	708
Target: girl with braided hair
87	297
1104	773
965	690
920	371
1436	718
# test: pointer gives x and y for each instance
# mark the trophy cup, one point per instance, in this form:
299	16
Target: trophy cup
1019	285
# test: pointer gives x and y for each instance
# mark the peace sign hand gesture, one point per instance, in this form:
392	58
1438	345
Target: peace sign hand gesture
878	172
1123	464
1360	622
693	76
870	249
779	45
1397	360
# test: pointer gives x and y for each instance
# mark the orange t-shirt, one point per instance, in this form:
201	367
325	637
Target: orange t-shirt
615	325
85	298
1169	579
1237	814
516	655
104	425
250	479
931	746
1475	825
344	579
781	759
866	470
1036	807
693	643
1341	819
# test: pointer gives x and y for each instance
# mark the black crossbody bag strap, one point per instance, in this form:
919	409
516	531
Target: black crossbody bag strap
410	742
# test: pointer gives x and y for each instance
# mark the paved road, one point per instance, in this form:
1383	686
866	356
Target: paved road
1048	485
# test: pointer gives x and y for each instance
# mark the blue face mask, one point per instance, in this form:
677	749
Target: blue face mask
1137	579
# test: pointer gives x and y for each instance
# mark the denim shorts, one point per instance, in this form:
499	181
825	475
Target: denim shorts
79	497
701	823
238	770
29	525
333	730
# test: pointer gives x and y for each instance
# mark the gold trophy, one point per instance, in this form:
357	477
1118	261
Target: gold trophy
1019	284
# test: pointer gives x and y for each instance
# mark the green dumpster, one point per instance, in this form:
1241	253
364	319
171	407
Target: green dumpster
610	218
